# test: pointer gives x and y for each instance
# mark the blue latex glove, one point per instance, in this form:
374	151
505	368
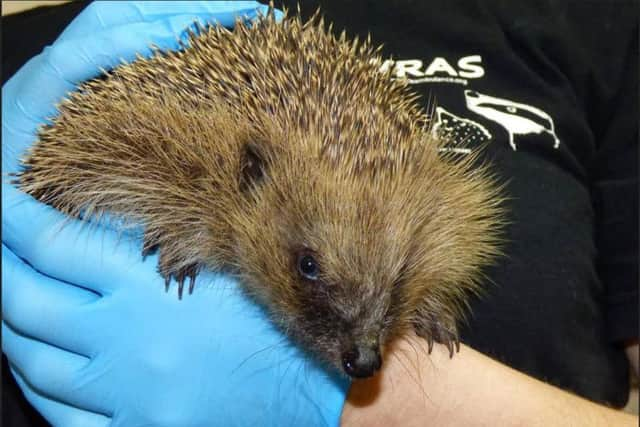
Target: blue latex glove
92	338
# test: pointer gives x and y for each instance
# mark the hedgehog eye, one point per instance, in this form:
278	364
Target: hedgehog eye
251	168
307	266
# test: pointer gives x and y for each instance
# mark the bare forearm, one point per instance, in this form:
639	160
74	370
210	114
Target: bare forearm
414	389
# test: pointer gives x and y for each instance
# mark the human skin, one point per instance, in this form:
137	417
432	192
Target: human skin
469	389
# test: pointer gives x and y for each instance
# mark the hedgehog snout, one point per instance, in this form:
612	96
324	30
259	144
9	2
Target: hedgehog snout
362	359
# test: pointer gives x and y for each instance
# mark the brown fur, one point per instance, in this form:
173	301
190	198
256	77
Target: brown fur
352	172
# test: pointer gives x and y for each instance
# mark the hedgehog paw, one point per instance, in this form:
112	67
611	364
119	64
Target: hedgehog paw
442	332
181	275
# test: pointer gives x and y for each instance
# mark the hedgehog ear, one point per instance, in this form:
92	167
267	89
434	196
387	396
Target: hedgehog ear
252	167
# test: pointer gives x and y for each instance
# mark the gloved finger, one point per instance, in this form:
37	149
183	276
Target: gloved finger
105	14
45	309
96	258
51	371
68	63
59	414
30	239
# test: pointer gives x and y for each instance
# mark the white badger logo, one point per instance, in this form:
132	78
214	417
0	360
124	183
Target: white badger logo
517	119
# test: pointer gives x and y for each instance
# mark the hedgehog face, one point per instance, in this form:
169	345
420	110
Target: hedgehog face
343	308
325	254
329	290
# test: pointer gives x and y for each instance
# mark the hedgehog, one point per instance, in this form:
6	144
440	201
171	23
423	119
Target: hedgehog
278	152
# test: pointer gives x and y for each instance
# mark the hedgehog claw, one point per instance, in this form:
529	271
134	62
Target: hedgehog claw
436	331
192	282
181	275
450	348
180	286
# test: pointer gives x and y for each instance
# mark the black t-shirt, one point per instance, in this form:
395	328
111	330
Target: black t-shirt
548	91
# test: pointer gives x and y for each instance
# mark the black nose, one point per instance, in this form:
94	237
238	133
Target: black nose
361	362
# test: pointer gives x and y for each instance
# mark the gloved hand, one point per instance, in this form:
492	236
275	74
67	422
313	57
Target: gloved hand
92	338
